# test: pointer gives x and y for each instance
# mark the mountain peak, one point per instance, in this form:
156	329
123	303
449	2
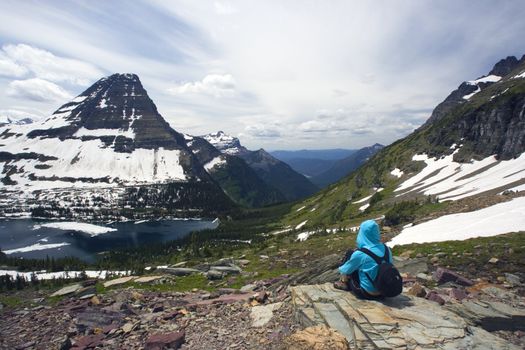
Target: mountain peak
225	143
505	66
118	111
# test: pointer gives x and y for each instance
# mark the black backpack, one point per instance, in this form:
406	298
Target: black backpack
388	280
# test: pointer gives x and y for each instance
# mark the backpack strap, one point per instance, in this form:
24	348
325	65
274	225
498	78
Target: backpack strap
376	258
372	255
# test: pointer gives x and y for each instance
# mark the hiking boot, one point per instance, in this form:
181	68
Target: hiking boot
341	286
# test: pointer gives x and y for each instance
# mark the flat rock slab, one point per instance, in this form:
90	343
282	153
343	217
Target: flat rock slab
118	281
261	315
404	322
148	279
67	290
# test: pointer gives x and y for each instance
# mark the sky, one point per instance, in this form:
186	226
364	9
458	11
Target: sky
276	74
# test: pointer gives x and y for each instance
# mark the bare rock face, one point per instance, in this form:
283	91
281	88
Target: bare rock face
403	322
317	338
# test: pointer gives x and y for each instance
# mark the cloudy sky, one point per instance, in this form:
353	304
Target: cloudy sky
278	74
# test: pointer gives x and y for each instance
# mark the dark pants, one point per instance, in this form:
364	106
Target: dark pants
353	282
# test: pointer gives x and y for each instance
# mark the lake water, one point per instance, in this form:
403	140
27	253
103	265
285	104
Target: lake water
38	239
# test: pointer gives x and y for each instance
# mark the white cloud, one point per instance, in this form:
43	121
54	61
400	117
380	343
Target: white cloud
19	60
37	89
11	69
225	8
262	131
217	85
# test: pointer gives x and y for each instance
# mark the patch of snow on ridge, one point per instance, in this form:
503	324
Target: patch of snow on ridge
301	208
450	180
90	229
488	79
364	207
491	221
301	224
215	162
521	75
36	246
396	172
363	199
105	132
467	97
303	236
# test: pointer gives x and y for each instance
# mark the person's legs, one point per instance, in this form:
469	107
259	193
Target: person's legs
355	287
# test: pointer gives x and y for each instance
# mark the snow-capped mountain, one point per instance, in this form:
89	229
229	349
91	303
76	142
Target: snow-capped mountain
4	120
272	171
225	143
240	182
111	135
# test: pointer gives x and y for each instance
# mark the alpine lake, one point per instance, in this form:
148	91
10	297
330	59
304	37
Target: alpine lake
39	239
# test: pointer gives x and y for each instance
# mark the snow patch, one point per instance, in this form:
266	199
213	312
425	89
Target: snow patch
521	75
364	207
215	162
301	208
92	230
488	79
363	199
301	225
396	172
36	246
491	221
452	181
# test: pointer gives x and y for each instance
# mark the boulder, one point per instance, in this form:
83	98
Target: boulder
233	269
442	275
261	315
214	275
67	290
178	271
317	338
417	290
411	266
458	294
512	279
434	296
173	340
248	288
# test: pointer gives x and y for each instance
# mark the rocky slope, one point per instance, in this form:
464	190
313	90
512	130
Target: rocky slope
110	136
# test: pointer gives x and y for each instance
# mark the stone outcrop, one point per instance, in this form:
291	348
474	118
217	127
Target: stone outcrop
404	322
317	338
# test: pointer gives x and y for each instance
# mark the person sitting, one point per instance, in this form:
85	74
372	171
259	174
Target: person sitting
368	271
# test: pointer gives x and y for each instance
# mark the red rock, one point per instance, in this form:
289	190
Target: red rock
433	296
457	293
442	275
171	340
89	341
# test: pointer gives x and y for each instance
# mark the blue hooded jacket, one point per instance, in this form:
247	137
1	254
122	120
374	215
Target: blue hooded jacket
369	238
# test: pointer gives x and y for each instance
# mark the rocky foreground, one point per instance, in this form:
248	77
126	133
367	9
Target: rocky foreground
439	308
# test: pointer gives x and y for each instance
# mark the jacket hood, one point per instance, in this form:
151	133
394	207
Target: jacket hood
368	235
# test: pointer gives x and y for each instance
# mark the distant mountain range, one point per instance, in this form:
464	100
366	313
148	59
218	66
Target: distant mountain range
345	166
472	145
